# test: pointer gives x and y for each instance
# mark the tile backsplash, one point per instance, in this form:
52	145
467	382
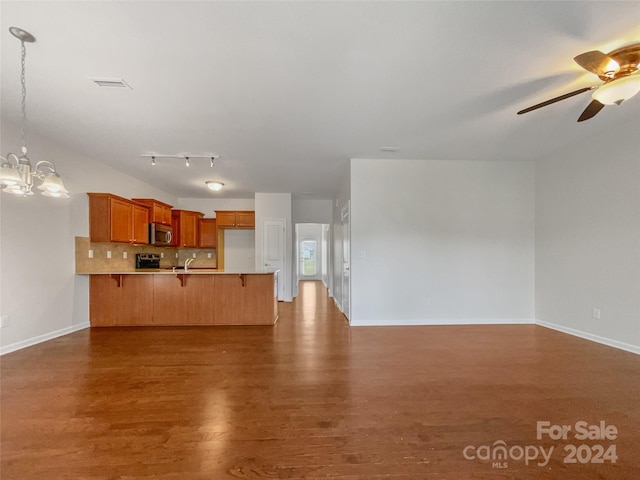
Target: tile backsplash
204	257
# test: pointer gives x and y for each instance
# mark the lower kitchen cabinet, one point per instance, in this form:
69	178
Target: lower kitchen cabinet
183	299
120	300
245	300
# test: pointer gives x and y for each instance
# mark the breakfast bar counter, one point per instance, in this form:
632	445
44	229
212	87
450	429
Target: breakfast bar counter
157	297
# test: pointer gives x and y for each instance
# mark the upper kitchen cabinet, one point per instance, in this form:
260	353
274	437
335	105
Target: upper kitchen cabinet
208	233
185	228
235	219
159	212
116	219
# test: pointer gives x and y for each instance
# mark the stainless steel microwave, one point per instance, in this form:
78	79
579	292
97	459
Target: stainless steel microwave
160	234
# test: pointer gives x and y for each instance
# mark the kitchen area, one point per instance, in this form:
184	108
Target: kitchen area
152	265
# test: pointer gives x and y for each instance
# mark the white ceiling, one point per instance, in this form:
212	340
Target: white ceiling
287	92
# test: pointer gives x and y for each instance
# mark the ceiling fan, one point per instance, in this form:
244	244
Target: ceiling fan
620	72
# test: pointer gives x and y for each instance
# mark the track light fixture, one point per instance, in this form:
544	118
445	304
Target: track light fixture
186	158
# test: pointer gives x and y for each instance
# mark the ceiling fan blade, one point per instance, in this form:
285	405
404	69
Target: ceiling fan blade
556	99
592	109
597	62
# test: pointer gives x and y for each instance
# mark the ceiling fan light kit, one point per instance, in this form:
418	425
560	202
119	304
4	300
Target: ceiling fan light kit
18	178
620	72
617	92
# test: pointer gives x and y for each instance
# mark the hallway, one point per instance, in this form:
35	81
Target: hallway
310	398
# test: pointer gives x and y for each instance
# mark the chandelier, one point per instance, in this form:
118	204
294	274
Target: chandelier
17	174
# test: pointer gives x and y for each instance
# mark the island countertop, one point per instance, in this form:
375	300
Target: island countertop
160	297
169	271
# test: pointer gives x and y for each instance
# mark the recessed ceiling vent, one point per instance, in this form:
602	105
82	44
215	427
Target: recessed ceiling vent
110	82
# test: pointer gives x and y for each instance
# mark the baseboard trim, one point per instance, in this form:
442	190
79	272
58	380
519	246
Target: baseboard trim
444	321
42	338
589	336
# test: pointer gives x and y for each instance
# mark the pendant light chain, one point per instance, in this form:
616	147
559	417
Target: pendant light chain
23	80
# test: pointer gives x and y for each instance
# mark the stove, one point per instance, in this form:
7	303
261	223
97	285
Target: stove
147	260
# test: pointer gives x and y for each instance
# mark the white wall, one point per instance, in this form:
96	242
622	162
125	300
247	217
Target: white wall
270	206
588	238
342	199
39	289
208	206
441	242
239	250
309	210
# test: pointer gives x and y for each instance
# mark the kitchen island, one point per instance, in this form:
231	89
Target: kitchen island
192	297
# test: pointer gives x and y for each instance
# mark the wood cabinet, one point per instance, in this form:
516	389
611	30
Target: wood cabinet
243	299
120	300
116	219
158	212
236	219
208	233
231	219
183	299
185	228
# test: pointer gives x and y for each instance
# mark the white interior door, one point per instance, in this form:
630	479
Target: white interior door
273	248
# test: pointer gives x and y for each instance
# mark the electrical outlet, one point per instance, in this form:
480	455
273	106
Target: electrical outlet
161	254
176	254
108	253
90	253
596	313
193	255
4	321
209	255
124	255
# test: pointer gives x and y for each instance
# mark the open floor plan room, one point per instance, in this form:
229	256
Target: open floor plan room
313	398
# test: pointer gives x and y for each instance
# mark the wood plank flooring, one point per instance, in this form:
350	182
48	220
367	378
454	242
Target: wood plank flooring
313	398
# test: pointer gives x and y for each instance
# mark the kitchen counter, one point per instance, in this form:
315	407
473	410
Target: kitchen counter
159	297
164	271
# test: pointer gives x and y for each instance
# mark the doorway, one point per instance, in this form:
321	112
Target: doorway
312	252
309	259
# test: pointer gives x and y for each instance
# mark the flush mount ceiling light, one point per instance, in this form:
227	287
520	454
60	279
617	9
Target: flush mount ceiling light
18	179
185	158
215	186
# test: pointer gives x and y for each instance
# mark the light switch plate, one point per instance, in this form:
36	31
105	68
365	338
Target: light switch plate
108	253
90	253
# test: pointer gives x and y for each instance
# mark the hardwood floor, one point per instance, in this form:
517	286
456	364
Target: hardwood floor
313	398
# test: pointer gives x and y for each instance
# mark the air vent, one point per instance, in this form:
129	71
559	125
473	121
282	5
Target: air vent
110	82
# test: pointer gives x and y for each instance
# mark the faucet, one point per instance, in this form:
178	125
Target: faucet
188	262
